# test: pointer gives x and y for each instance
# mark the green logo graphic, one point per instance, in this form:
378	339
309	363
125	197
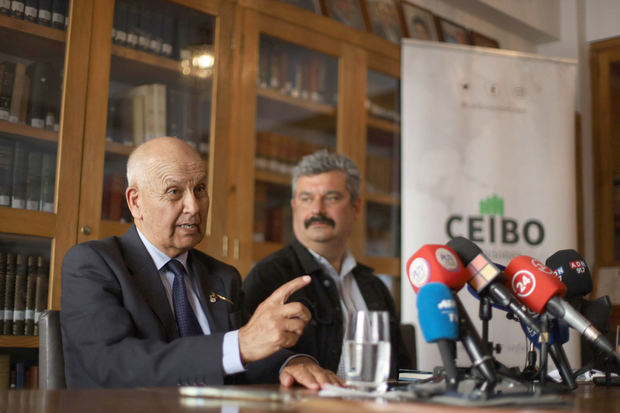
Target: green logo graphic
492	206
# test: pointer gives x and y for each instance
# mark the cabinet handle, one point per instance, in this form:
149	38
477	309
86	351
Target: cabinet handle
236	248
225	246
86	230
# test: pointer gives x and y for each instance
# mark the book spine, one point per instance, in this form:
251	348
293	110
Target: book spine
17	9
5	371
31	283
4	257
6	89
40	294
5	6
156	33
19	302
20	165
144	28
59	10
9	295
119	32
38	90
133	23
33	180
167	36
48	178
6	171
30	10
44	15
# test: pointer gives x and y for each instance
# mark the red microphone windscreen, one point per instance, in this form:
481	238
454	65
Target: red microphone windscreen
533	282
436	263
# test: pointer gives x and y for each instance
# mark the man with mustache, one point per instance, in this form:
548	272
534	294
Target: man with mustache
147	309
326	204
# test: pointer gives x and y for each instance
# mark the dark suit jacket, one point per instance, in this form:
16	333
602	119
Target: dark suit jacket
118	329
323	336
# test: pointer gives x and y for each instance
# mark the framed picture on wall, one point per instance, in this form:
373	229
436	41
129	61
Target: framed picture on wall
348	12
311	5
451	32
419	22
478	39
384	19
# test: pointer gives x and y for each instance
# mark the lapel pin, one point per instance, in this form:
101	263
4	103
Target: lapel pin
214	296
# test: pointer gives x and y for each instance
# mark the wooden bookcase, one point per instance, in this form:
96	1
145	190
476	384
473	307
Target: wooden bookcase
96	68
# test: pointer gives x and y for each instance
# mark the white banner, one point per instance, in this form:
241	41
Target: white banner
488	153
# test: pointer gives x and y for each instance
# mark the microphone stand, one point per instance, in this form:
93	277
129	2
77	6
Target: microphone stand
485	311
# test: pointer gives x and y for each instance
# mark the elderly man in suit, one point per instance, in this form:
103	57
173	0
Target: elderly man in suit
147	309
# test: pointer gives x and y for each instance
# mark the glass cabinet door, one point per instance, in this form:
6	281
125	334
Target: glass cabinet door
32	71
161	84
382	179
383	165
295	116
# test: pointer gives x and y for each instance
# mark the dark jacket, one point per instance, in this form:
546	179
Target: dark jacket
118	329
323	336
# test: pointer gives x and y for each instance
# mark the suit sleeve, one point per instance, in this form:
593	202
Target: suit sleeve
112	338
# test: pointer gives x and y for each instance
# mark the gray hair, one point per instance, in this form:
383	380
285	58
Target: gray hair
323	161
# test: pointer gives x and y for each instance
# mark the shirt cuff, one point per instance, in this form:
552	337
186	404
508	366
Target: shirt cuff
295	356
231	360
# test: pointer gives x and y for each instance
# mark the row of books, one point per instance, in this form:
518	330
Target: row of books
18	374
297	72
382	175
272	220
31	93
279	153
152	110
23	293
53	13
382	112
154	28
27	176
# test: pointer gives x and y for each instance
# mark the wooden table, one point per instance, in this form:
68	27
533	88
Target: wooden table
587	398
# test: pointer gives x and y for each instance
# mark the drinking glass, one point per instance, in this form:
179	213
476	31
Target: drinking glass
367	350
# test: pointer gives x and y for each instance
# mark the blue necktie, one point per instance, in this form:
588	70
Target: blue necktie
186	319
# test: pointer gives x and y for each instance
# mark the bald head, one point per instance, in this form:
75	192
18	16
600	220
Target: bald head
167	194
147	158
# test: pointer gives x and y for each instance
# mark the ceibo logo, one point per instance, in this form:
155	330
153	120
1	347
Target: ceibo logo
491	226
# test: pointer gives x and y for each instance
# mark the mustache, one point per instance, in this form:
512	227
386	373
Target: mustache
320	218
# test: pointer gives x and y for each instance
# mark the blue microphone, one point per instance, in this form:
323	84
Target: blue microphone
439	321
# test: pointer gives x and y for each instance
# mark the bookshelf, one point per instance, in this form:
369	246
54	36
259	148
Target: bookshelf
319	102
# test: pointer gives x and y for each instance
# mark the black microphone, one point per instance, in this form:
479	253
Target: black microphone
487	279
571	268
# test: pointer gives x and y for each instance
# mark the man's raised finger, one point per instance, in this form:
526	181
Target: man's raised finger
282	294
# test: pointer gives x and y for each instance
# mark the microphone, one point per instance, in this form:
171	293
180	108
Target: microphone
558	335
534	284
571	268
439	263
436	263
438	318
487	279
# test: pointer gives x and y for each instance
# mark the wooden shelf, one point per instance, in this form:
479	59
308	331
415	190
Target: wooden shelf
382	198
272	177
309	105
31	40
383	124
146	58
26	222
118	148
19	341
21	130
383	265
261	249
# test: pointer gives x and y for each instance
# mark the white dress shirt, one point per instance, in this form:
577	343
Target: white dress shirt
231	360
